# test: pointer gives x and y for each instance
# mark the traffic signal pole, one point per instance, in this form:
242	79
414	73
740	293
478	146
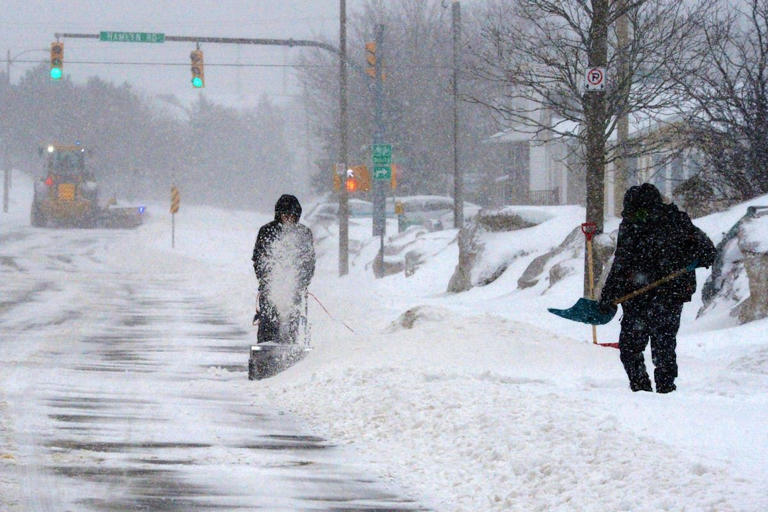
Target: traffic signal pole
379	186
343	150
458	178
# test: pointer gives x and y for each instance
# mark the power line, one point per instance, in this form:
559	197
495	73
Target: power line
138	63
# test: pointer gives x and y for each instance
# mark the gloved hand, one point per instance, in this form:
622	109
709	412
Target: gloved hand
606	307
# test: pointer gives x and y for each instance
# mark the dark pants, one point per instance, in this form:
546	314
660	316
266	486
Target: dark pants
269	322
657	320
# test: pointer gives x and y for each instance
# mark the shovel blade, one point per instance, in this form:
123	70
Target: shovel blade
585	311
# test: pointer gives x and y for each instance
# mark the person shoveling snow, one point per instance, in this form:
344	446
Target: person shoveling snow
657	252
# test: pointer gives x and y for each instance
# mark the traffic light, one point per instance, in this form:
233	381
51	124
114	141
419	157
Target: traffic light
370	59
198	73
57	60
358	179
352	184
393	181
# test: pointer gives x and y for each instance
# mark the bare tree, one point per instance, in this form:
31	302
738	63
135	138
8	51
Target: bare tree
417	111
533	55
724	77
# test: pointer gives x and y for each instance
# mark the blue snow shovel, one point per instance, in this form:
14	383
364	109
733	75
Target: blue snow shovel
588	311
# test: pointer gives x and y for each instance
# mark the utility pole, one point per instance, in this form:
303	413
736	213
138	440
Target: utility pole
620	174
379	186
458	179
6	143
343	194
595	116
6	172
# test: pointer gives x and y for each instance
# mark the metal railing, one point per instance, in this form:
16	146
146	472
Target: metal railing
544	197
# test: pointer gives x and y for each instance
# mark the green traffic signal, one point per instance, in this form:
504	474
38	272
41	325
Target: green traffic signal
197	82
56	73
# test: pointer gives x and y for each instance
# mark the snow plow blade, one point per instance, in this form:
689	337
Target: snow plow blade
586	311
121	217
270	358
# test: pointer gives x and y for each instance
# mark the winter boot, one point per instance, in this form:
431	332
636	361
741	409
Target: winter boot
665	379
641	385
665	387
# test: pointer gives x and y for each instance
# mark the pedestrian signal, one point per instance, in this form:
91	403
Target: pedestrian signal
358	179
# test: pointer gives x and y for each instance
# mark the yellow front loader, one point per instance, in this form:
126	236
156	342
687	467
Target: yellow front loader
67	194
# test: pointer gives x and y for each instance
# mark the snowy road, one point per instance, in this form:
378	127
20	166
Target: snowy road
116	393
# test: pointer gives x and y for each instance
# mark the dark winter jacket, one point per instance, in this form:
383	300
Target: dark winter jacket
278	244
655	240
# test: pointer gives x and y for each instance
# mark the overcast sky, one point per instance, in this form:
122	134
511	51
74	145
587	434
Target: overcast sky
31	24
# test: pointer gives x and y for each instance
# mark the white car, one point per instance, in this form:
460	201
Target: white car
433	212
329	210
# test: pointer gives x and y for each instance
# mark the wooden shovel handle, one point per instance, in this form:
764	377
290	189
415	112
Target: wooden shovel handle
651	286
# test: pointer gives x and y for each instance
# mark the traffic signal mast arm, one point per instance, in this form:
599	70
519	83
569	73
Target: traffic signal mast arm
238	40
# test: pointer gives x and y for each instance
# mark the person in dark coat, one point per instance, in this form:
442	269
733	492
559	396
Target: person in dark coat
655	240
284	262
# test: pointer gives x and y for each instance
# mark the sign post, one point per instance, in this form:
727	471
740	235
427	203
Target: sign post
175	200
382	171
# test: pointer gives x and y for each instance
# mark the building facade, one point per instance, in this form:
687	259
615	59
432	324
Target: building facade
546	170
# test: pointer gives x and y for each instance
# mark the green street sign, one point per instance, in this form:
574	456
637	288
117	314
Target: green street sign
382	154
132	37
382	172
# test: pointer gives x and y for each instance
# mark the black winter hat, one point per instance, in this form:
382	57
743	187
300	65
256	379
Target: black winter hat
641	197
288	204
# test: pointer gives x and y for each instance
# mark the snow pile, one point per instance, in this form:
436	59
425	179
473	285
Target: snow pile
754	233
503	252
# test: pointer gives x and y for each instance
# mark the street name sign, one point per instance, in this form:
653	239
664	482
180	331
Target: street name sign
382	154
132	37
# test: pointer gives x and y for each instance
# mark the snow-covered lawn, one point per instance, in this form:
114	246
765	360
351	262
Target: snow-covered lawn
482	401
